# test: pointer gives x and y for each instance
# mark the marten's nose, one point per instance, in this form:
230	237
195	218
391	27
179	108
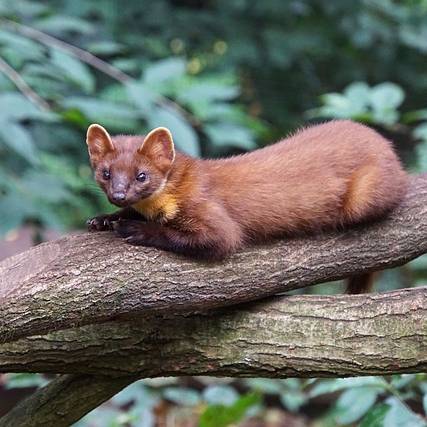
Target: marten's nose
119	196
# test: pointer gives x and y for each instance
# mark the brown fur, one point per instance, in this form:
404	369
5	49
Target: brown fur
360	283
331	175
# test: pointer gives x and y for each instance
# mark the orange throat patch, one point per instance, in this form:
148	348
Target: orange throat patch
162	206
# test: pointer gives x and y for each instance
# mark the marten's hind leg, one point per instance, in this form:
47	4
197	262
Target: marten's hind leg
366	196
372	191
361	203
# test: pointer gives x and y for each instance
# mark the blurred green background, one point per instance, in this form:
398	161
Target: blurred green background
225	77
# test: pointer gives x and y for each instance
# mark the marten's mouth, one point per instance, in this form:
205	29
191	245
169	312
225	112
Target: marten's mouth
124	201
120	203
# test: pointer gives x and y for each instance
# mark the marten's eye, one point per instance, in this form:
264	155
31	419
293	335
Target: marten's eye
106	174
141	177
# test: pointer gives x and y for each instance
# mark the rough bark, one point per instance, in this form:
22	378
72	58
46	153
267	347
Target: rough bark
63	401
287	336
86	278
302	336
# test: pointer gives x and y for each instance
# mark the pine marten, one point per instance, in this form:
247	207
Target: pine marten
325	176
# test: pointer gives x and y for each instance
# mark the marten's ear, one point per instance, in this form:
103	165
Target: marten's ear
158	146
99	142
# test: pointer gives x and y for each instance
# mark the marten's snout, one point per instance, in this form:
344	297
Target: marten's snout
119	196
119	189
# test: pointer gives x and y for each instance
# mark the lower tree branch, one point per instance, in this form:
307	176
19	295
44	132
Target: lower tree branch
91	278
64	401
298	336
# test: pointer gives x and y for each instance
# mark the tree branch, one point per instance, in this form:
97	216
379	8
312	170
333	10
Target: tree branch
22	86
289	336
92	278
64	401
297	336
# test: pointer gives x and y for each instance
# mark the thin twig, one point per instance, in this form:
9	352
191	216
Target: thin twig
89	58
22	86
82	54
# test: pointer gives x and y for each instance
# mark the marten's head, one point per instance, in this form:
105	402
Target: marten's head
130	168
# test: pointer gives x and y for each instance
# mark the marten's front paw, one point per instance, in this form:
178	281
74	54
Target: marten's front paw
133	231
100	223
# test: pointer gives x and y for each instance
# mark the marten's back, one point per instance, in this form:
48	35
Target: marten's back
336	173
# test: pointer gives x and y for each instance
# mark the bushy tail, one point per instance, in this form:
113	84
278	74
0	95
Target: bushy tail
360	283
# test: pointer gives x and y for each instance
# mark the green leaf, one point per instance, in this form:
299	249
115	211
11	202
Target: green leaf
387	95
208	92
105	47
336	106
420	132
182	396
24	47
19	140
358	93
220	395
336	100
75	71
401	381
46	187
24	380
293	399
127	65
14	210
354	403
401	416
292	383
265	385
223	416
224	134
386	117
183	133
102	416
414	37
375	416
218	112
419	264
137	393
15	106
421	161
142	96
58	24
331	386
161	71
118	115
414	116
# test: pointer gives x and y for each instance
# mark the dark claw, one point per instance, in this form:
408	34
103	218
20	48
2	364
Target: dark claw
99	223
134	240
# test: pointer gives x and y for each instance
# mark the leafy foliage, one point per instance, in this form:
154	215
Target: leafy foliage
221	415
215	87
201	111
368	401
